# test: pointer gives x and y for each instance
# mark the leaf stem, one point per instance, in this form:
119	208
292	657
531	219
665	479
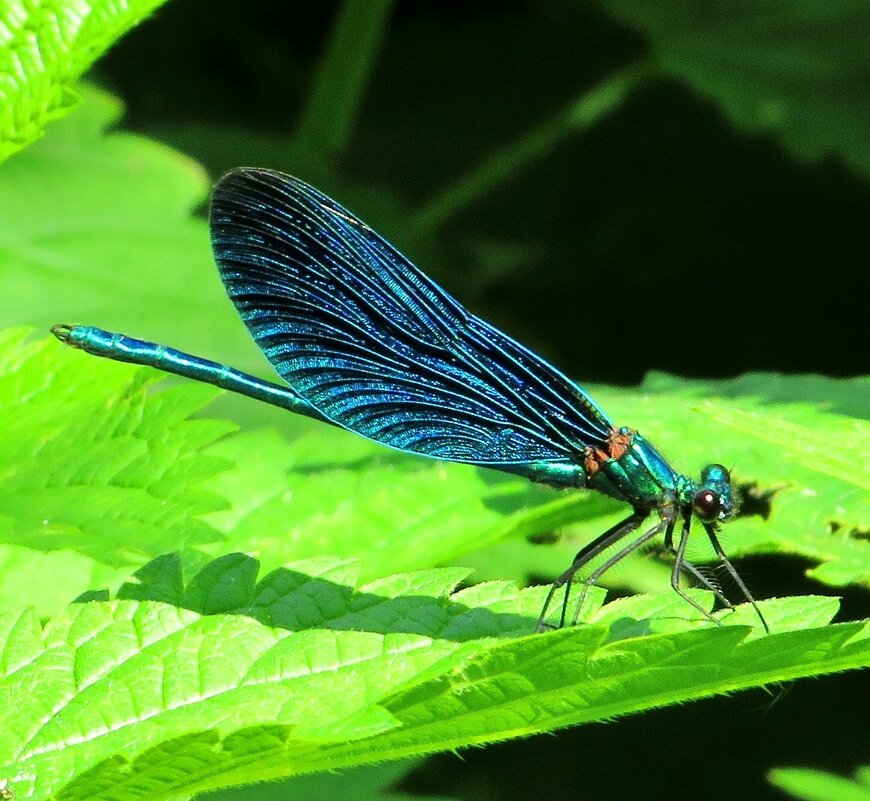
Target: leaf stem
326	122
580	114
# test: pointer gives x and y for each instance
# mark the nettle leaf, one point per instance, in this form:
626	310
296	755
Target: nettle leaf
797	69
403	512
846	396
834	446
44	48
23	572
325	592
95	463
823	511
142	699
101	465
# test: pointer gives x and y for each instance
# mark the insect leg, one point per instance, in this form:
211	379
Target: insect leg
681	564
714	541
584	556
617	557
706	583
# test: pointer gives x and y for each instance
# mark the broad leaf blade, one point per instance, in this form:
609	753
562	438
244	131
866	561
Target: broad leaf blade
140	699
405	513
94	463
838	447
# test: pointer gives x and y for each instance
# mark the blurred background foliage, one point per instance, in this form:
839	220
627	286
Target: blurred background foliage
622	185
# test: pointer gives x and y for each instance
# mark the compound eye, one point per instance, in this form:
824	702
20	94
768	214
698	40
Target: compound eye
707	505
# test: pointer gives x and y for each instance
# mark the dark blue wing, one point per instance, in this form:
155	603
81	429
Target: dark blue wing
377	347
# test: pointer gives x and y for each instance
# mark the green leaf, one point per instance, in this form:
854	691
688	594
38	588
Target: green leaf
99	229
93	462
44	49
315	592
846	396
122	475
837	447
23	571
320	592
404	512
816	785
819	509
141	699
797	69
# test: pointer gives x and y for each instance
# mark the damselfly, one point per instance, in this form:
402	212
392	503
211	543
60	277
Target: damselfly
367	342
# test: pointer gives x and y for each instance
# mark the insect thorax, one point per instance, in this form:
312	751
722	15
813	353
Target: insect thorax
639	475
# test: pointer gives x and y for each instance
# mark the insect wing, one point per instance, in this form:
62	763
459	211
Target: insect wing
375	345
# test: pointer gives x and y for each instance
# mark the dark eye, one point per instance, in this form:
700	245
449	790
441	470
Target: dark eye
707	505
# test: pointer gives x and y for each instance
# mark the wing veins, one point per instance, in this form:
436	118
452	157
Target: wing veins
444	372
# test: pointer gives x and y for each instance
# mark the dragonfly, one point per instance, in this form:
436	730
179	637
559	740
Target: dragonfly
367	342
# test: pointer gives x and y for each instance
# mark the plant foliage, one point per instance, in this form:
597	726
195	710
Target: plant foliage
211	664
254	606
45	48
229	680
816	785
793	69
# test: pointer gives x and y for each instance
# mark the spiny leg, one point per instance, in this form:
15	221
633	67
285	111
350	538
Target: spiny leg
584	555
590	552
681	564
726	562
636	543
688	567
707	584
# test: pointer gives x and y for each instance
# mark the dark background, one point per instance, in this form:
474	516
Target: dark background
661	238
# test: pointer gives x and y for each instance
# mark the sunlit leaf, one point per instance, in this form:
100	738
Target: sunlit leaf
142	699
816	785
44	48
